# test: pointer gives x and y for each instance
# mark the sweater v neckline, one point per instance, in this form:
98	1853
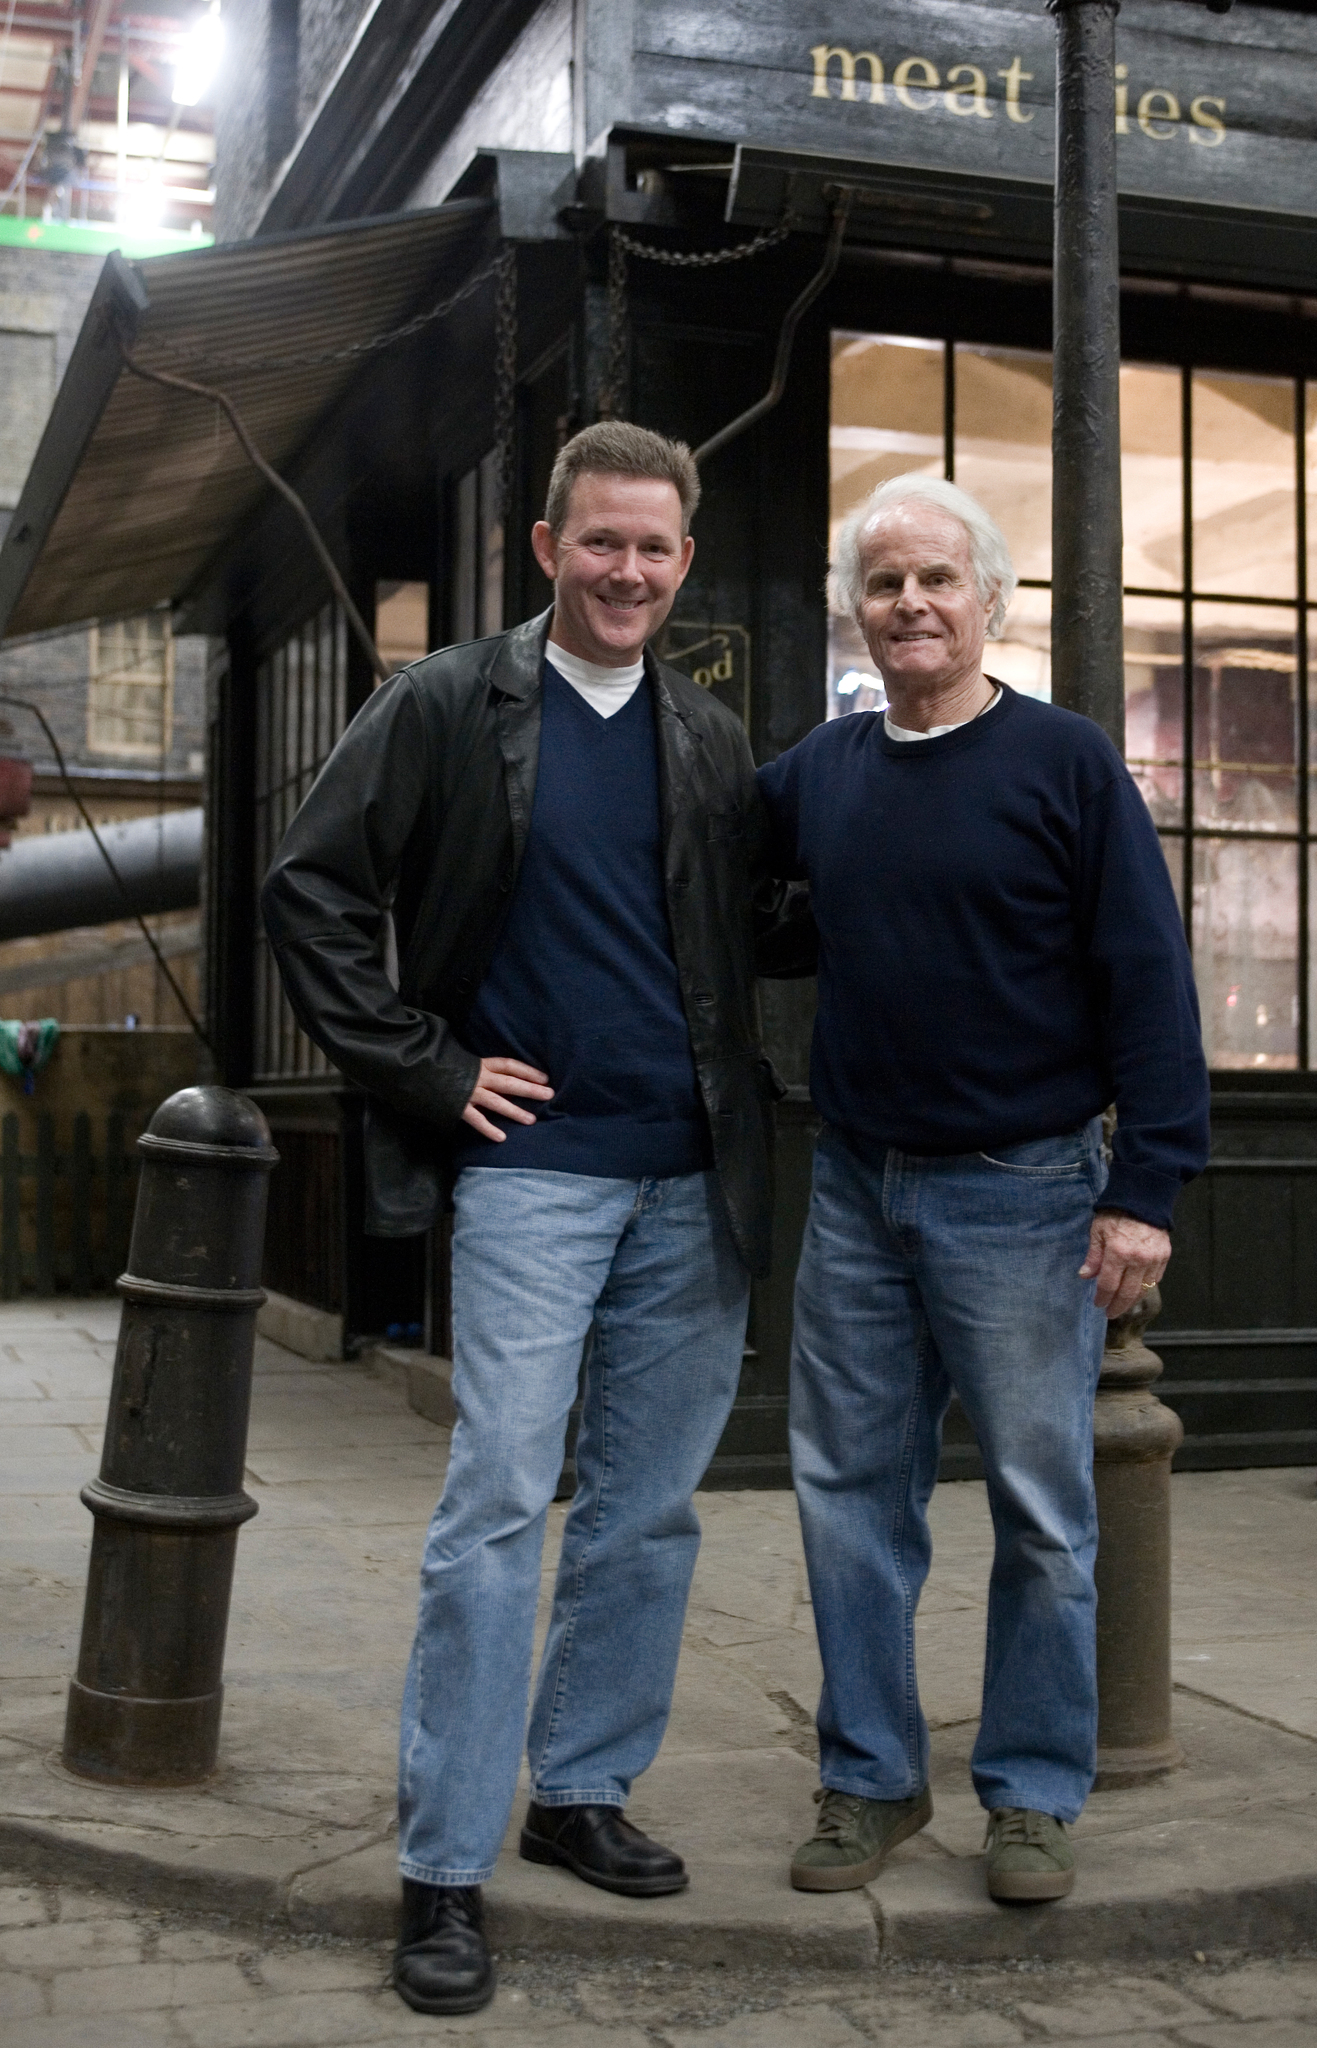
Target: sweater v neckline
584	705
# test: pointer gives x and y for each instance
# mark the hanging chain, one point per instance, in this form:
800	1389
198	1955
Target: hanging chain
326	358
703	259
613	401
621	245
613	398
505	372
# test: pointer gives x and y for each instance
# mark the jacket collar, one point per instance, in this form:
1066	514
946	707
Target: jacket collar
520	658
519	664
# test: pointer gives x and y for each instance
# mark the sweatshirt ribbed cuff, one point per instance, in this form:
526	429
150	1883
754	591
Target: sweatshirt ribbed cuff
1143	1192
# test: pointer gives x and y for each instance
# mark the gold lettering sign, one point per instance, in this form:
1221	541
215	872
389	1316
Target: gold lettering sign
715	657
838	73
823	54
973	101
903	78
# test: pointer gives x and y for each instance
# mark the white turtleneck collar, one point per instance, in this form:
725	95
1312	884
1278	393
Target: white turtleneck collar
606	690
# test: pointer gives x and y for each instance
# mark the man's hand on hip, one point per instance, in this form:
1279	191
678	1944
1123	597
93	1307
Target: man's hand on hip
1128	1257
500	1080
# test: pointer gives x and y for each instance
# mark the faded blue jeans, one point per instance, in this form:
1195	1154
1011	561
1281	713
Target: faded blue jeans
536	1258
919	1276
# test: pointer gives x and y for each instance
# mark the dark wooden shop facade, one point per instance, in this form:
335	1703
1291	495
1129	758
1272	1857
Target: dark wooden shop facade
693	130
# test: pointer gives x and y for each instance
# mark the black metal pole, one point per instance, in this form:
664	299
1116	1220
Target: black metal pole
144	1708
1134	1436
1087	629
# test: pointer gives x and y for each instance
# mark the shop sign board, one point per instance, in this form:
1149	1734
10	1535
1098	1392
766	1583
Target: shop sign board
1211	109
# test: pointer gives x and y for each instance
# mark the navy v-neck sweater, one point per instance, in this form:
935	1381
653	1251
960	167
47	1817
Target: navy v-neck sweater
583	983
1001	951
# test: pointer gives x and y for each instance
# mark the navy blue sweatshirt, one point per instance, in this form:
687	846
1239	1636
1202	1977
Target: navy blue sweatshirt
1001	954
583	983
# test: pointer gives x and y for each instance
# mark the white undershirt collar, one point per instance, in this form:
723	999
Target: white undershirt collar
606	690
935	732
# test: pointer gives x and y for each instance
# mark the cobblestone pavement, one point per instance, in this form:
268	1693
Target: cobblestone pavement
81	1969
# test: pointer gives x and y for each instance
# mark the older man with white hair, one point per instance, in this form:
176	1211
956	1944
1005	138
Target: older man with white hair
1000	957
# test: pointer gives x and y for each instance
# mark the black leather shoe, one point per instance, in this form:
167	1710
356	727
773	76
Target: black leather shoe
442	1962
600	1845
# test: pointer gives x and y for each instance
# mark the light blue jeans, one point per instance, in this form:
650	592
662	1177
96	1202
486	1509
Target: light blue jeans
536	1258
919	1276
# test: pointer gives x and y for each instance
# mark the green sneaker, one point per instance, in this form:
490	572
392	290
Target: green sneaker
853	1838
1028	1855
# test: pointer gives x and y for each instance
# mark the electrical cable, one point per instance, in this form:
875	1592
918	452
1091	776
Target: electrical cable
21	704
276	483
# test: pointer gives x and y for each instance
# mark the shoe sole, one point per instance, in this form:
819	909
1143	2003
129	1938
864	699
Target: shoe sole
538	1849
1022	1887
806	1878
467	2003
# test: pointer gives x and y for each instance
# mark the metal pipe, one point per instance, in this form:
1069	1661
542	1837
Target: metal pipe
61	879
145	1706
787	335
1088	671
1134	1435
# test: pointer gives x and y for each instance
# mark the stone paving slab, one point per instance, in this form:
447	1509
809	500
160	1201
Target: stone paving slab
296	1827
81	1967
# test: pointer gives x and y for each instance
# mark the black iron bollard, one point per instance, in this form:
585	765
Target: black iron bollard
1135	1436
144	1708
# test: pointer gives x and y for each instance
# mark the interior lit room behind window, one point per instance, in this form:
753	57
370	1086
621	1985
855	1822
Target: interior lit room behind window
1214	631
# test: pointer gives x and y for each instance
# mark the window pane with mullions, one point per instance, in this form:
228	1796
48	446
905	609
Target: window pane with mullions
1152	477
1245	689
1172	846
1243	482
1245	941
1154	703
1310	412
1023	655
887	419
1003	446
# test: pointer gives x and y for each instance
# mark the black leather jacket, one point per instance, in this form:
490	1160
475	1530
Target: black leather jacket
424	806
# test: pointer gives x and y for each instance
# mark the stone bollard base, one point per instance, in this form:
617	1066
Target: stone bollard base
122	1740
1117	1768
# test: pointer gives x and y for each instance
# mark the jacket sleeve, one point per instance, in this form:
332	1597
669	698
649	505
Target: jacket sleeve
1144	987
324	903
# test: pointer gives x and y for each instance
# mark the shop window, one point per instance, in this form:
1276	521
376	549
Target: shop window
1219	633
301	709
888	406
476	565
130	693
402	623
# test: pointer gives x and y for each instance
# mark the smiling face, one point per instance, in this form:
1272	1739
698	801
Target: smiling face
921	614
616	565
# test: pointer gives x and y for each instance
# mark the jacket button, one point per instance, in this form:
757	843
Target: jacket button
703	998
464	984
504	881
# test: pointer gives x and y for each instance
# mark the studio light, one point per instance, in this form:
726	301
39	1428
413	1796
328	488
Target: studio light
199	58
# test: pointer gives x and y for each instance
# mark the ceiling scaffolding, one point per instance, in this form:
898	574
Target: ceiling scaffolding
88	127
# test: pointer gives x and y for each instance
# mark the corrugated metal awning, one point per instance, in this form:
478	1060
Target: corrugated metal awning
135	489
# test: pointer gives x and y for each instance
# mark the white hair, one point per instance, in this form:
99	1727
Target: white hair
990	557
